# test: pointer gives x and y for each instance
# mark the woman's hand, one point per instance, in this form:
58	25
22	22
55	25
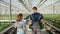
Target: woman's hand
27	27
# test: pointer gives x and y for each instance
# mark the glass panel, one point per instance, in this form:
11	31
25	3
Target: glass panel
4	14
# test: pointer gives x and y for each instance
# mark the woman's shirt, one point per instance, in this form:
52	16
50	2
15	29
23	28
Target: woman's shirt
20	25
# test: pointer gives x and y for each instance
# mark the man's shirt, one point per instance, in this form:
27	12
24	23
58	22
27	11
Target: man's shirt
35	17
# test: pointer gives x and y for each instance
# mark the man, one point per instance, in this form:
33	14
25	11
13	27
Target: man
35	21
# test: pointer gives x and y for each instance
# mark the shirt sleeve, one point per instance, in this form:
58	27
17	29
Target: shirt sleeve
30	17
15	25
24	21
41	16
24	25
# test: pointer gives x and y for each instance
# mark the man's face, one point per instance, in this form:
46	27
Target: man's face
34	10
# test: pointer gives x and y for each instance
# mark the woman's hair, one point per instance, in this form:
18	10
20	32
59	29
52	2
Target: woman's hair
19	17
20	14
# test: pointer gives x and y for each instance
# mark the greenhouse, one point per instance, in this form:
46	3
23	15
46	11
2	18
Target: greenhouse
50	9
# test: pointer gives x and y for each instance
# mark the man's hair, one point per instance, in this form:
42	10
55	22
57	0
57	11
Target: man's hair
20	14
34	8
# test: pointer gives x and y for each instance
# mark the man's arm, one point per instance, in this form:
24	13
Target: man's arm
43	21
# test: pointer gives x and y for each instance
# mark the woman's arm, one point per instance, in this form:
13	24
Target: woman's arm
15	25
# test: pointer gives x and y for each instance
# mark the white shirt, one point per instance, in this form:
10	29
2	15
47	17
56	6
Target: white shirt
20	25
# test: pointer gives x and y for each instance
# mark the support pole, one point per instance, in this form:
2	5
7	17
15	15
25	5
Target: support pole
10	13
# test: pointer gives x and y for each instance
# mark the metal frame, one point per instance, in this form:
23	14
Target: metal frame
52	26
41	3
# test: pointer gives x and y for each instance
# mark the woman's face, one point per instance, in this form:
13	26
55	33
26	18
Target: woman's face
20	17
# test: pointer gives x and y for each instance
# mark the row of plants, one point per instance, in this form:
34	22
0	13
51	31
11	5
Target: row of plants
7	16
53	19
4	25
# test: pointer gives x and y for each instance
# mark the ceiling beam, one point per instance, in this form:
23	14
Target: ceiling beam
41	3
24	5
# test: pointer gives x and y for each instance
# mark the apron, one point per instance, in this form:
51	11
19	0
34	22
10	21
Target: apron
36	28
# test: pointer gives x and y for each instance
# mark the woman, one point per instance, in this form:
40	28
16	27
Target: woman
20	24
